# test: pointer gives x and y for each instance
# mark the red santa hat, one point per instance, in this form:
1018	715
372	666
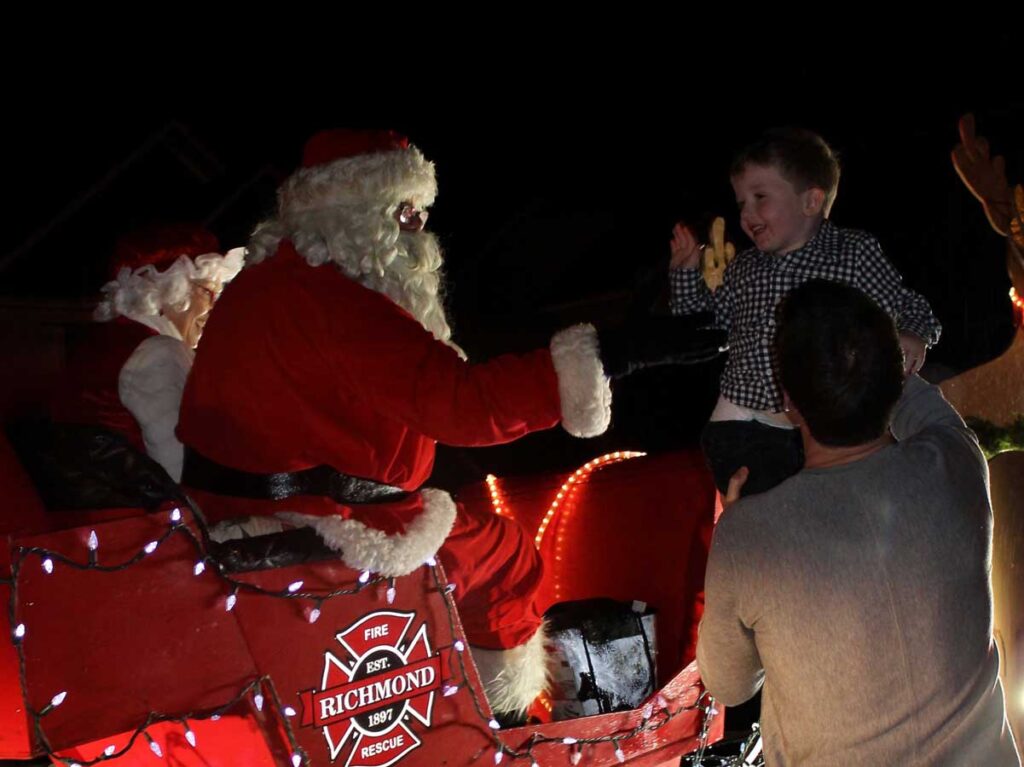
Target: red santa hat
345	167
161	245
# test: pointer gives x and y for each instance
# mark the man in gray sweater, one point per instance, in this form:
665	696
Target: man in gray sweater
857	592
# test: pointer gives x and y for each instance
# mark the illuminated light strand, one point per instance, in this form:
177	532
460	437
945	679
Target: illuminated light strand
545	702
111	752
496	503
579	476
620	755
574	745
563	502
49	558
154	746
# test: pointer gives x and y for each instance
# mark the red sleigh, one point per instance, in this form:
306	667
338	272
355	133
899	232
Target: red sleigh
131	644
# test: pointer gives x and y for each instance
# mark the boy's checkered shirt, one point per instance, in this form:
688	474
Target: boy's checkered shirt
744	305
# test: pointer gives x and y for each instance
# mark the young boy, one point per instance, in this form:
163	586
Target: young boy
785	184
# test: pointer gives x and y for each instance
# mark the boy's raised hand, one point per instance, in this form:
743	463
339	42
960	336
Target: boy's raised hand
983	175
684	248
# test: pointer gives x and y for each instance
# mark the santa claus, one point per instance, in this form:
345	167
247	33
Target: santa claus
327	375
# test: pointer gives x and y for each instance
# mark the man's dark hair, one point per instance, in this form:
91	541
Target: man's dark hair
839	360
801	156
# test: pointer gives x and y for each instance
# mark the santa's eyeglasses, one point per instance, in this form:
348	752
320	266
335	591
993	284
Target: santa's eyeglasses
409	218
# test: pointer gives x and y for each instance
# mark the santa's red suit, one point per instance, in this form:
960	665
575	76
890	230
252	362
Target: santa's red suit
126	372
305	366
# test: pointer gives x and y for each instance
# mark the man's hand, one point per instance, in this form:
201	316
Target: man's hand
914	351
736	483
684	247
983	175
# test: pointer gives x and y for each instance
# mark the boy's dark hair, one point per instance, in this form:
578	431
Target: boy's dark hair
801	156
839	360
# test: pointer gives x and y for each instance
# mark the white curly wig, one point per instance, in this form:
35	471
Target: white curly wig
144	293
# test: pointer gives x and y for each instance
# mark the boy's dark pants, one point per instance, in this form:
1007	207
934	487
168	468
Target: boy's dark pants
772	454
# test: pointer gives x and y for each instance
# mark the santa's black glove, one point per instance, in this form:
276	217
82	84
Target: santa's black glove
655	340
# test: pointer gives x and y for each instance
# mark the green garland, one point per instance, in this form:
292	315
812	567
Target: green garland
998	439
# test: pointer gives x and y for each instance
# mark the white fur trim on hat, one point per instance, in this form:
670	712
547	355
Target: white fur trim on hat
513	678
364	548
583	387
389	178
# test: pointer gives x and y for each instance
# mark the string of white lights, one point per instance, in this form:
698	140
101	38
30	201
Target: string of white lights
654	715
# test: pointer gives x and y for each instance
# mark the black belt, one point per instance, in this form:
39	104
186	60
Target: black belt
201	473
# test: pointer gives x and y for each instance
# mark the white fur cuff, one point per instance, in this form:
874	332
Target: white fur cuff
582	385
513	678
364	548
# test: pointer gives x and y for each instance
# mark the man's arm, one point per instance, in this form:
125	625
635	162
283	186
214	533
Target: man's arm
727	655
922	406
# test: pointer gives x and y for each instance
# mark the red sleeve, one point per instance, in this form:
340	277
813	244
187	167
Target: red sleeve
391	361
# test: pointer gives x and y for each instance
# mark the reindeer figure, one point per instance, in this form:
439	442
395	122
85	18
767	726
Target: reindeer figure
995	392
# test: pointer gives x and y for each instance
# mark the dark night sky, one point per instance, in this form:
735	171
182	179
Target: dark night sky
561	170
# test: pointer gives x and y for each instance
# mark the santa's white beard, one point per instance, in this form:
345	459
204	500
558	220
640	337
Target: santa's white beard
370	249
415	281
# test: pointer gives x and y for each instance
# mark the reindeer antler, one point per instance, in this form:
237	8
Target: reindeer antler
1017	222
984	176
